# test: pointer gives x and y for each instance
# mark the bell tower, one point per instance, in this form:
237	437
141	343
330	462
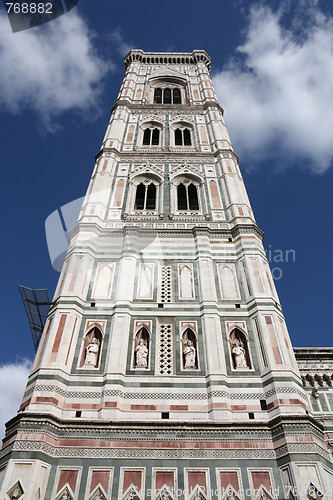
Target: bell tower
165	369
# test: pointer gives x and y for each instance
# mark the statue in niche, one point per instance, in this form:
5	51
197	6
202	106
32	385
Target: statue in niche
92	351
189	355
16	493
239	354
141	354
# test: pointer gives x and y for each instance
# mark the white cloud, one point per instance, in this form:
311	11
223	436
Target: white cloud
13	379
117	38
50	69
278	91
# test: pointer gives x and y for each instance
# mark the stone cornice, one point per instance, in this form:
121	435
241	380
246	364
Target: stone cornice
168	108
164	155
199	227
314	353
151	58
280	424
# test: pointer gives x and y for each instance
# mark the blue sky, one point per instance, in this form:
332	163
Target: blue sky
272	64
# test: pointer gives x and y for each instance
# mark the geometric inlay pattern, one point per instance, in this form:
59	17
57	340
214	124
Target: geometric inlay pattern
165	352
144	453
166	287
158	395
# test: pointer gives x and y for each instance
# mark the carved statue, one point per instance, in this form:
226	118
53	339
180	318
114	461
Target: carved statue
92	351
189	354
238	352
65	496
16	494
141	354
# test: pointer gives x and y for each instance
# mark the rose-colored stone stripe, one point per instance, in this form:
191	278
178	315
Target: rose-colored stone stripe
57	339
109	443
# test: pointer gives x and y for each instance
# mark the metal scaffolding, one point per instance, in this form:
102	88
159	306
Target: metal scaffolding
37	305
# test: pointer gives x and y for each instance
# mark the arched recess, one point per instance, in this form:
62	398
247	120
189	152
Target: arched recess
239	350
189	344
142	341
145	194
145	197
103	281
228	281
182	133
167	90
187	195
92	348
150	133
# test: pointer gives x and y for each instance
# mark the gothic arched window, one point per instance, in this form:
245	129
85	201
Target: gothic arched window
182	137
145	197
187	197
193	201
187	137
151	197
155	137
178	137
176	96
146	137
181	197
151	137
158	96
167	95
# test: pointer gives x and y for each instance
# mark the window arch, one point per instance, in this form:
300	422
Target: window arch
141	349
151	137
187	137
167	95
158	96
145	198
178	137
183	137
155	137
187	196
145	194
176	96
